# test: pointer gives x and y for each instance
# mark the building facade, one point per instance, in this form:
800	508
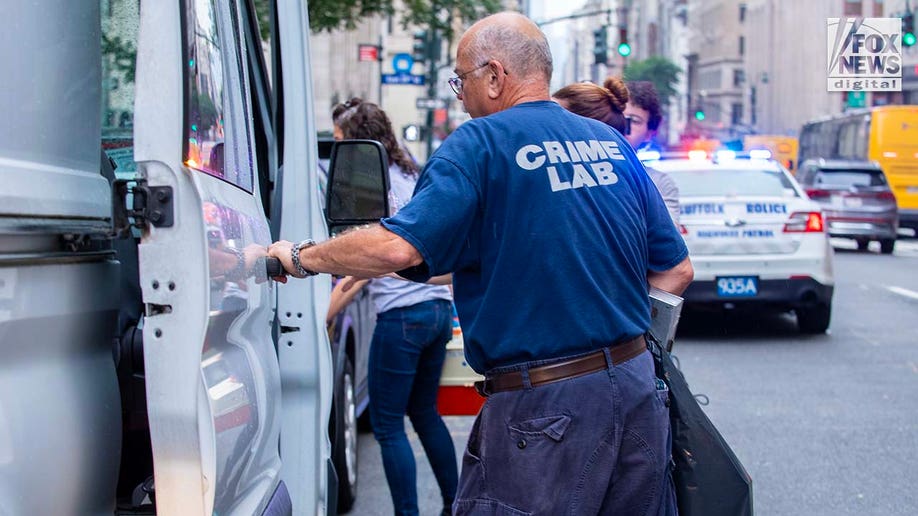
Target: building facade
715	68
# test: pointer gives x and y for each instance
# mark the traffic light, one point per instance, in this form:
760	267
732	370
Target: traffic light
699	114
419	48
624	48
908	29
600	45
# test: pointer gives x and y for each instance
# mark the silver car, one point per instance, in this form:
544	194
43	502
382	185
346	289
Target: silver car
855	198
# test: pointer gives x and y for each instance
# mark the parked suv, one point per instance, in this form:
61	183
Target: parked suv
855	198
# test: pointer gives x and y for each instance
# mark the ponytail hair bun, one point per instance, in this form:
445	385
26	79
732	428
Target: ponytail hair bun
617	93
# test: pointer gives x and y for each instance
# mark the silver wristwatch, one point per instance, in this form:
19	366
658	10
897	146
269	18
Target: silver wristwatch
295	254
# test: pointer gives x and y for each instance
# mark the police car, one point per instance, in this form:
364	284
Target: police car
754	237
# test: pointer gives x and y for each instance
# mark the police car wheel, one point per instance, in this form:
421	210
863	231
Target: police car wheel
814	319
887	246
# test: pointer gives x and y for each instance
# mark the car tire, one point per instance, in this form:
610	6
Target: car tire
887	246
344	440
862	245
814	319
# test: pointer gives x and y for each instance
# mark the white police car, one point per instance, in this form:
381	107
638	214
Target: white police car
754	237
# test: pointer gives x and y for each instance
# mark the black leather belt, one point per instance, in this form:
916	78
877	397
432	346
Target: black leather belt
562	370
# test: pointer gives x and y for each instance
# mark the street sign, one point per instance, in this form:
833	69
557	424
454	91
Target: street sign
403	78
367	52
430	103
402	63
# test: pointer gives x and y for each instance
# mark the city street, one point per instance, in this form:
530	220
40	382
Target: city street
825	425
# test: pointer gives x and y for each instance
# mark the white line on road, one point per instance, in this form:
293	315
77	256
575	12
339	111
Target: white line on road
903	292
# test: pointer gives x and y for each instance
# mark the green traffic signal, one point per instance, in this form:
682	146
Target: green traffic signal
908	39
624	49
699	115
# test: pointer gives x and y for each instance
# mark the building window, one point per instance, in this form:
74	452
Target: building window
878	8
853	7
742	13
736	114
739	77
742	46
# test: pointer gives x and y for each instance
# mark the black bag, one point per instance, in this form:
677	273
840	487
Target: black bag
709	479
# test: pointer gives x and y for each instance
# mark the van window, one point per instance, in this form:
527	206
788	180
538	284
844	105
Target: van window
120	22
216	123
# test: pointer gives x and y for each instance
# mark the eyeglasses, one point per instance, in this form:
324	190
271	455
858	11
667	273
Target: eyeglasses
455	82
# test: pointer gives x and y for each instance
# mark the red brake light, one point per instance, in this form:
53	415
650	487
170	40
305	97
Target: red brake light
814	223
813	193
805	222
886	196
683	230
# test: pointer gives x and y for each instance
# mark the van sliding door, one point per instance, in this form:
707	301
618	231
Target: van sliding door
213	383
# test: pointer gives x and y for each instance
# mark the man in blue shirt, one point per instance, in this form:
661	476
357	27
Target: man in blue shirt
552	232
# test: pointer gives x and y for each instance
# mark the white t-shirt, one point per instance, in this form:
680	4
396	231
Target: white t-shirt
389	293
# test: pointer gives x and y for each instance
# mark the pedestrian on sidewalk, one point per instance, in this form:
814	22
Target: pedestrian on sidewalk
413	325
644	117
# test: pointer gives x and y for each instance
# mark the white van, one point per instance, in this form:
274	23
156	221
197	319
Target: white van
148	155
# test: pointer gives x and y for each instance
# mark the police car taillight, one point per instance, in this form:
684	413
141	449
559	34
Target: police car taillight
805	222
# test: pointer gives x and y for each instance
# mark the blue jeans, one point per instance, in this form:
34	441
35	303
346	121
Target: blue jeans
406	360
596	444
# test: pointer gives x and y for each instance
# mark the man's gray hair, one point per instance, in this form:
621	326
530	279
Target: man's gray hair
526	57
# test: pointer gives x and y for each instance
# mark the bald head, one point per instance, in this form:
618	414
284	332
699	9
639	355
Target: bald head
515	41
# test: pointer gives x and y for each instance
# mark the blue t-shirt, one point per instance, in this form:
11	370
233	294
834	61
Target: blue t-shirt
549	225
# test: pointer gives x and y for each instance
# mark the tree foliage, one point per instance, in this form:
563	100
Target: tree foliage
439	14
662	72
123	55
331	15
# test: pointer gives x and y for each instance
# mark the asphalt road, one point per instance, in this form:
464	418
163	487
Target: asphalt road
825	425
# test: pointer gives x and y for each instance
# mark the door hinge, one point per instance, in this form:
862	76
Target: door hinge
151	206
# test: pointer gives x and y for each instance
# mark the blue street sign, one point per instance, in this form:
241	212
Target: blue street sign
403	78
402	63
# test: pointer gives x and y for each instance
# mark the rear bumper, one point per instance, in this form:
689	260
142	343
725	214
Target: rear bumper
863	228
784	294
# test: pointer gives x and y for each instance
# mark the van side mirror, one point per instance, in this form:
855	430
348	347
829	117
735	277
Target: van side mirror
358	184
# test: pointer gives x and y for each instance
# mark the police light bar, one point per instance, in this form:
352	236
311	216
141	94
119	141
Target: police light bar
725	155
697	155
760	154
648	155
